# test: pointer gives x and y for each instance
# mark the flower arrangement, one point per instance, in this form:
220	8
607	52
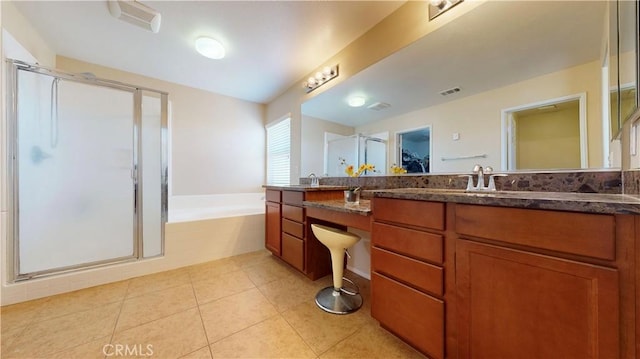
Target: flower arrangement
351	172
397	170
349	169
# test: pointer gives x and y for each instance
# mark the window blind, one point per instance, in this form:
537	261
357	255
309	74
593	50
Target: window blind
278	152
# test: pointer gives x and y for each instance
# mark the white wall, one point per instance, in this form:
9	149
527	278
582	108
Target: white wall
477	118
313	143
218	142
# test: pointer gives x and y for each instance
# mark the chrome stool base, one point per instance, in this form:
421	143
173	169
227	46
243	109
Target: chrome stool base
338	301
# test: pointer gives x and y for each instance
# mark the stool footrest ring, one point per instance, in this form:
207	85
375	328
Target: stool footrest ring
344	290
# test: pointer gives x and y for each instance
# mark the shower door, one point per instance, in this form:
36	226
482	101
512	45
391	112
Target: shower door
75	174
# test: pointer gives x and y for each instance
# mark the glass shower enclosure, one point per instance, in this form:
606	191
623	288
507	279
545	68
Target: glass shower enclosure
355	150
87	170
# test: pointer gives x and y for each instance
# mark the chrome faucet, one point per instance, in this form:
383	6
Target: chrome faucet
477	169
314	180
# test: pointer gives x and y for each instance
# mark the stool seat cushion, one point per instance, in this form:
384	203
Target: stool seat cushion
334	238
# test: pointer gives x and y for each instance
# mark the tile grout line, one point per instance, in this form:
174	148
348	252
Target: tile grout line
115	325
204	328
299	335
343	340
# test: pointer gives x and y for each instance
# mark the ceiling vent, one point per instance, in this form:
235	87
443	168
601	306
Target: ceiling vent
135	13
378	106
450	91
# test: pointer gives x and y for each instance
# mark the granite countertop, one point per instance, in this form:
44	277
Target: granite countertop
363	208
563	201
304	188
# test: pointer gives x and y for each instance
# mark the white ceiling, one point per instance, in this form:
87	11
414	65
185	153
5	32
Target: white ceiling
496	44
270	44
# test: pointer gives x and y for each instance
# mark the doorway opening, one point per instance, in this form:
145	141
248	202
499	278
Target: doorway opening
545	135
414	150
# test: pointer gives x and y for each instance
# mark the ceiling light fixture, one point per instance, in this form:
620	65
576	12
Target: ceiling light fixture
437	7
320	78
210	48
357	101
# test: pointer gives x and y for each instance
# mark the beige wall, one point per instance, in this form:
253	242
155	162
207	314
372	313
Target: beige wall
313	142
401	28
27	36
218	142
548	139
478	119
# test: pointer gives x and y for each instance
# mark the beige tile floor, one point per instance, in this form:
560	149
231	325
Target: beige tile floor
249	306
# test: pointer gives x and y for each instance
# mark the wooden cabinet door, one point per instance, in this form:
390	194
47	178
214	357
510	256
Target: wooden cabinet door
514	304
272	231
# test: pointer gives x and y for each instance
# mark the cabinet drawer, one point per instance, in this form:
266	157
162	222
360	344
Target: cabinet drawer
415	244
293	251
585	234
295	229
293	197
415	213
293	213
420	275
415	317
272	195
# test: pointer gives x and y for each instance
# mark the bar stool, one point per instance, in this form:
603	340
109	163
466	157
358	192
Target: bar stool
336	299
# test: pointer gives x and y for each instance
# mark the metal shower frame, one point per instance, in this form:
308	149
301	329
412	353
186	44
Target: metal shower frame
13	66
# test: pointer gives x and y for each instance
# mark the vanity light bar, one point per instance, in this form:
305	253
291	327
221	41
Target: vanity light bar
320	78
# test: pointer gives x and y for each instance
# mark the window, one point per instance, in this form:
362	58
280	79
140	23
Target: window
278	152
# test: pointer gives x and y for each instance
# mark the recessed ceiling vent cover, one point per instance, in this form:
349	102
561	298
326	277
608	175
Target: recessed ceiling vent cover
450	91
135	13
378	106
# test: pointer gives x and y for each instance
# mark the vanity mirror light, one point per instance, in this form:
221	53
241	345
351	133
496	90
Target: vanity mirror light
462	77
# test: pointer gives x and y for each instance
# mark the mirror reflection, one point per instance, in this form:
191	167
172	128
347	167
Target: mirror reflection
512	85
627	80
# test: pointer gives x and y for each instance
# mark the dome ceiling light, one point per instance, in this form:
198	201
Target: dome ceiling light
209	47
357	101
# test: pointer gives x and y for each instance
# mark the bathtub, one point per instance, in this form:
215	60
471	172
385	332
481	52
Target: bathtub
199	229
196	208
210	227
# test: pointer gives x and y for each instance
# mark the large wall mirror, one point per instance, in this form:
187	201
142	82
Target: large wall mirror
624	62
490	80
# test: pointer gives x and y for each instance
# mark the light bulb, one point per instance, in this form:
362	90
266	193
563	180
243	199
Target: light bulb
210	48
437	3
319	76
327	71
356	101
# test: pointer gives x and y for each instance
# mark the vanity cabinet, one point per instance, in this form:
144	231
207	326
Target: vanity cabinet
514	304
407	279
463	280
288	230
538	284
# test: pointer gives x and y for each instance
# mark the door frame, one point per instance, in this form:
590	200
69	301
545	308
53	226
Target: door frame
507	129
398	145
